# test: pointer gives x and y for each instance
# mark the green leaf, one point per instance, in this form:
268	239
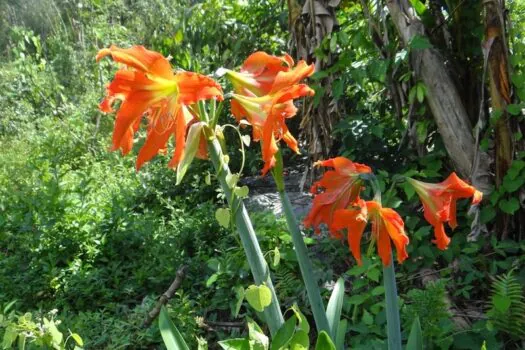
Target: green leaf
421	91
324	342
10	335
284	334
333	42
338	88
303	322
235	344
232	179
409	189
300	341
368	319
223	217
241	192
212	279
419	42
335	305
419	6
170	334
501	302
258	297
239	297
192	144
415	338
276	257
509	206
259	341
77	338
341	333
514	109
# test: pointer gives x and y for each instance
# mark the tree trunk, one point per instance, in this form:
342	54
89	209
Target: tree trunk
443	97
499	95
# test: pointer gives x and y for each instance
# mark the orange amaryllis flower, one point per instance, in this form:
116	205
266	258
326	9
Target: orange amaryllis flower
341	187
264	92
150	88
439	203
387	226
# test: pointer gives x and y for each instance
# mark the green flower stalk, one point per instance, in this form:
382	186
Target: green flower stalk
258	265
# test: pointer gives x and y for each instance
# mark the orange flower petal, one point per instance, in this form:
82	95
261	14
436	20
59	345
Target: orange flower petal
439	203
341	188
388	225
354	220
139	58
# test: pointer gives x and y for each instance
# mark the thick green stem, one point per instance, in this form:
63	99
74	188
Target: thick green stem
259	267
392	307
312	289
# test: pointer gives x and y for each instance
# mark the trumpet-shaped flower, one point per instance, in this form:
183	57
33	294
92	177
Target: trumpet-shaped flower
148	87
340	188
387	226
439	203
265	89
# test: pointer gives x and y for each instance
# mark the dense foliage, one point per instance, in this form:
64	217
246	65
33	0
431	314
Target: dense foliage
87	244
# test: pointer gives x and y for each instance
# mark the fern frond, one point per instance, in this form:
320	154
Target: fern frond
507	305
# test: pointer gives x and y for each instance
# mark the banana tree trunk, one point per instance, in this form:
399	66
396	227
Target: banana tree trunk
442	95
499	96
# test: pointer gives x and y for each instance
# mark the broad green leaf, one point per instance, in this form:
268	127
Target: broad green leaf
170	334
335	305
202	344
241	192
258	340
56	335
77	338
514	109
415	338
232	179
368	319
223	217
501	302
258	297
10	335
509	206
192	144
324	342
284	334
235	344
300	341
419	6
419	42
303	322
212	279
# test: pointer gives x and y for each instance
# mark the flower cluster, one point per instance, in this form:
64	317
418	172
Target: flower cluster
338	205
264	92
265	89
148	87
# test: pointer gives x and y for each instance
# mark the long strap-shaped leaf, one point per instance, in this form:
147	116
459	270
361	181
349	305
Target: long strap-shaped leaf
170	334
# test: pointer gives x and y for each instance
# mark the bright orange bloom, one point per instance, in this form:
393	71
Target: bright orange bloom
265	89
387	226
439	203
150	88
341	189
